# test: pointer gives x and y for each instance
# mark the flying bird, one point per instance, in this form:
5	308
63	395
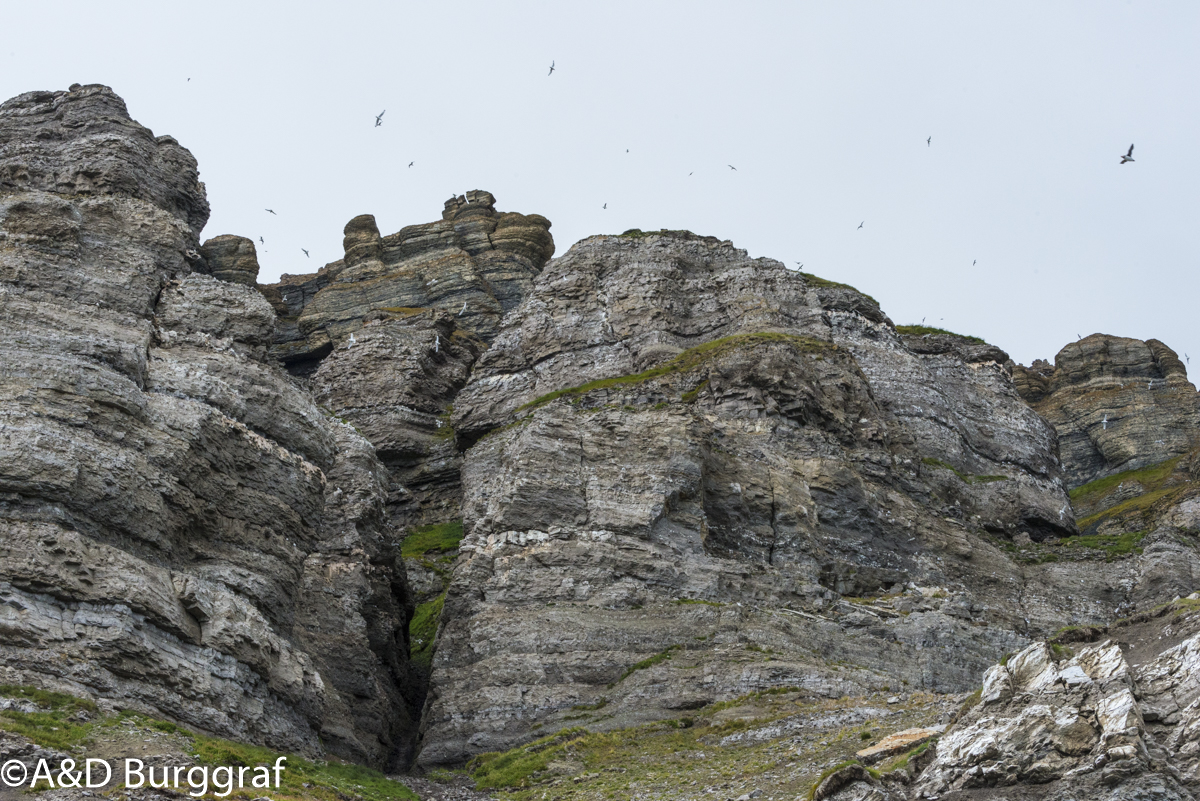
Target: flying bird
929	142
379	119
689	173
411	163
260	239
306	253
551	72
463	310
1104	422
272	211
1128	156
974	262
860	225
732	167
1187	359
799	265
352	342
606	205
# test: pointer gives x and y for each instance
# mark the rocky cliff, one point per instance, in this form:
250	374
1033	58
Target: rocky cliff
633	485
185	533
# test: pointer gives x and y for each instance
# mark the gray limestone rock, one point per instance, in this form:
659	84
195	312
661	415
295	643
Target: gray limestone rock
183	529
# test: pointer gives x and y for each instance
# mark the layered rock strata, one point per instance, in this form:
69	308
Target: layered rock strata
681	453
1117	404
1114	718
184	532
475	263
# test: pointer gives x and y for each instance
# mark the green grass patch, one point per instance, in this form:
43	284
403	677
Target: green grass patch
1060	652
513	768
329	781
1149	477
646	663
436	538
692	394
901	762
53	726
923	330
445	430
422	630
825	283
56	724
969	479
1113	545
1139	504
687	360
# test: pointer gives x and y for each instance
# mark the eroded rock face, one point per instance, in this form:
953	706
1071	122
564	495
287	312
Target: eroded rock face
1117	404
1114	719
732	445
476	263
184	532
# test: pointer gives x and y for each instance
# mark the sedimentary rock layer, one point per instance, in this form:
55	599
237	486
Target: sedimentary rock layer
184	531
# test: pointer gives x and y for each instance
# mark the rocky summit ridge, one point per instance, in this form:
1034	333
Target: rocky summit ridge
449	496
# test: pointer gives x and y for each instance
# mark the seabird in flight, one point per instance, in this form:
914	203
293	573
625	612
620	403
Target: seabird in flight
929	142
860	225
272	211
411	163
732	167
974	262
799	265
379	119
1128	156
306	253
260	239
606	205
551	72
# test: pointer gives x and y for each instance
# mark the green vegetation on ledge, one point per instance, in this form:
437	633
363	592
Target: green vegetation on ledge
938	463
422	630
687	360
923	330
1113	545
645	663
64	722
437	538
1149	477
825	283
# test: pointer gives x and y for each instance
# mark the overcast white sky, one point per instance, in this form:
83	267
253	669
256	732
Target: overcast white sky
823	108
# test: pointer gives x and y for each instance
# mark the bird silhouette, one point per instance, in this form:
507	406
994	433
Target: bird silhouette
379	119
260	239
306	254
1187	359
689	173
799	265
411	163
929	142
270	210
860	225
551	72
1128	156
606	205
732	167
974	262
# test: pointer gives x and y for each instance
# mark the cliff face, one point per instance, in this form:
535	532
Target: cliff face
184	532
679	449
682	475
1118	404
